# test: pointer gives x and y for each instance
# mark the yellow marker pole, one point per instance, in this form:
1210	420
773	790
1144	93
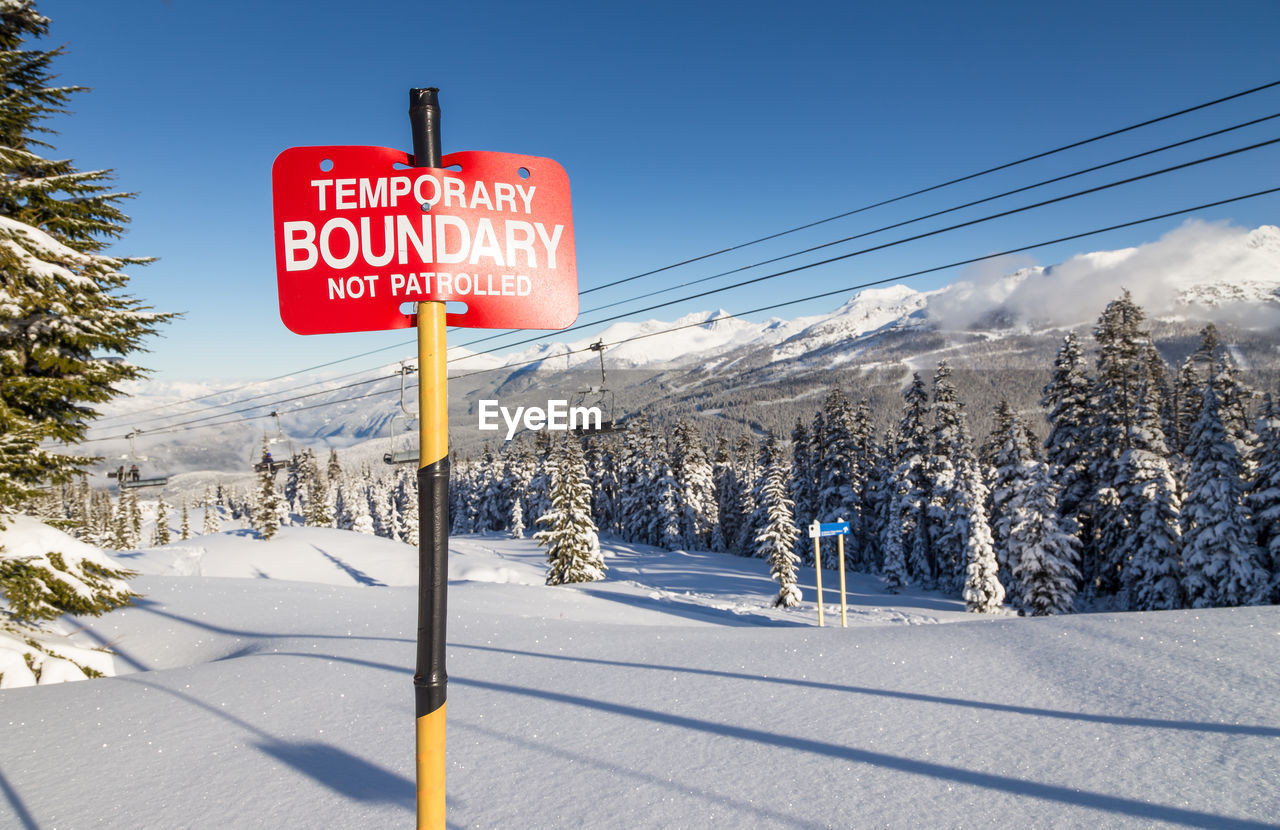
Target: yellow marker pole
429	679
817	566
844	619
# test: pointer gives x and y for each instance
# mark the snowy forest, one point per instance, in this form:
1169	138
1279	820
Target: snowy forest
1157	488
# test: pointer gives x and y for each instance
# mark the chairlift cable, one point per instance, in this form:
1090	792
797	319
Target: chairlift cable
921	191
911	275
885	245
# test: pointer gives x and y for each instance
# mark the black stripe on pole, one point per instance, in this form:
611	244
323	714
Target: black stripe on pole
424	118
429	679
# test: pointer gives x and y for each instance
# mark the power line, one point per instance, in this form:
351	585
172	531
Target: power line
886	245
768	307
758	240
174	427
931	188
1022	209
874	283
906	222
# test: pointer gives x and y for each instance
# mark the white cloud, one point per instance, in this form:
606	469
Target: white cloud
1224	270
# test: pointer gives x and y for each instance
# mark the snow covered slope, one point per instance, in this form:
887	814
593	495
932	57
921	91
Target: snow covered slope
671	695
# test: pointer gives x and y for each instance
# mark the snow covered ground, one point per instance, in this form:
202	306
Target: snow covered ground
267	684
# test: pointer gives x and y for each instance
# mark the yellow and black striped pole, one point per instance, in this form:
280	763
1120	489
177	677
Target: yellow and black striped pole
429	679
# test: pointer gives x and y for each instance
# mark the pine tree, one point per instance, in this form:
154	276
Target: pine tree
862	547
945	516
696	482
1041	554
185	529
118	536
1009	454
834	457
726	485
905	546
265	516
382	510
516	522
1151	552
163	535
38	585
360	515
317	504
664	520
1219	551
1264	492
133	520
747	475
1068	449
776	540
806	466
569	537
518	469
1124	386
211	524
407	499
982	592
491	506
63	298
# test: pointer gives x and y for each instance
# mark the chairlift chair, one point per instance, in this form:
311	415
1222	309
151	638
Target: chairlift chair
268	461
599	397
402	432
129	475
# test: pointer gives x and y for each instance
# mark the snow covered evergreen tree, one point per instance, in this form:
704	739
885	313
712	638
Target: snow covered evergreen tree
163	534
569	535
1008	451
1040	555
491	507
775	542
38	584
834	457
316	510
982	592
664	519
946	510
862	546
1219	550
905	549
382	509
1125	384
517	473
361	515
1068	448
265	518
62	298
210	523
1264	492
805	466
699	512
726	484
747	476
1151	552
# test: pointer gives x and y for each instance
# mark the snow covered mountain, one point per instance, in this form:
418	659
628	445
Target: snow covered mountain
743	371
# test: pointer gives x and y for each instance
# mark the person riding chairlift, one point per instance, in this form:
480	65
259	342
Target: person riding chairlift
134	475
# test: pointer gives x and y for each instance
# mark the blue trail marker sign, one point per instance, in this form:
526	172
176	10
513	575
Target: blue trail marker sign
817	530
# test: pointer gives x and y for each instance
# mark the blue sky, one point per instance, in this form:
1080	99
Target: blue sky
684	127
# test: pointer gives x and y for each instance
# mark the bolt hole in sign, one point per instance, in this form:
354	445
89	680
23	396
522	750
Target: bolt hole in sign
360	232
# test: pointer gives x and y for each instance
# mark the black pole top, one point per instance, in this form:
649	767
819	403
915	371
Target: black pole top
424	119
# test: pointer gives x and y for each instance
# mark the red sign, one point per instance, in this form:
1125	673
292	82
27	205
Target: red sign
360	233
